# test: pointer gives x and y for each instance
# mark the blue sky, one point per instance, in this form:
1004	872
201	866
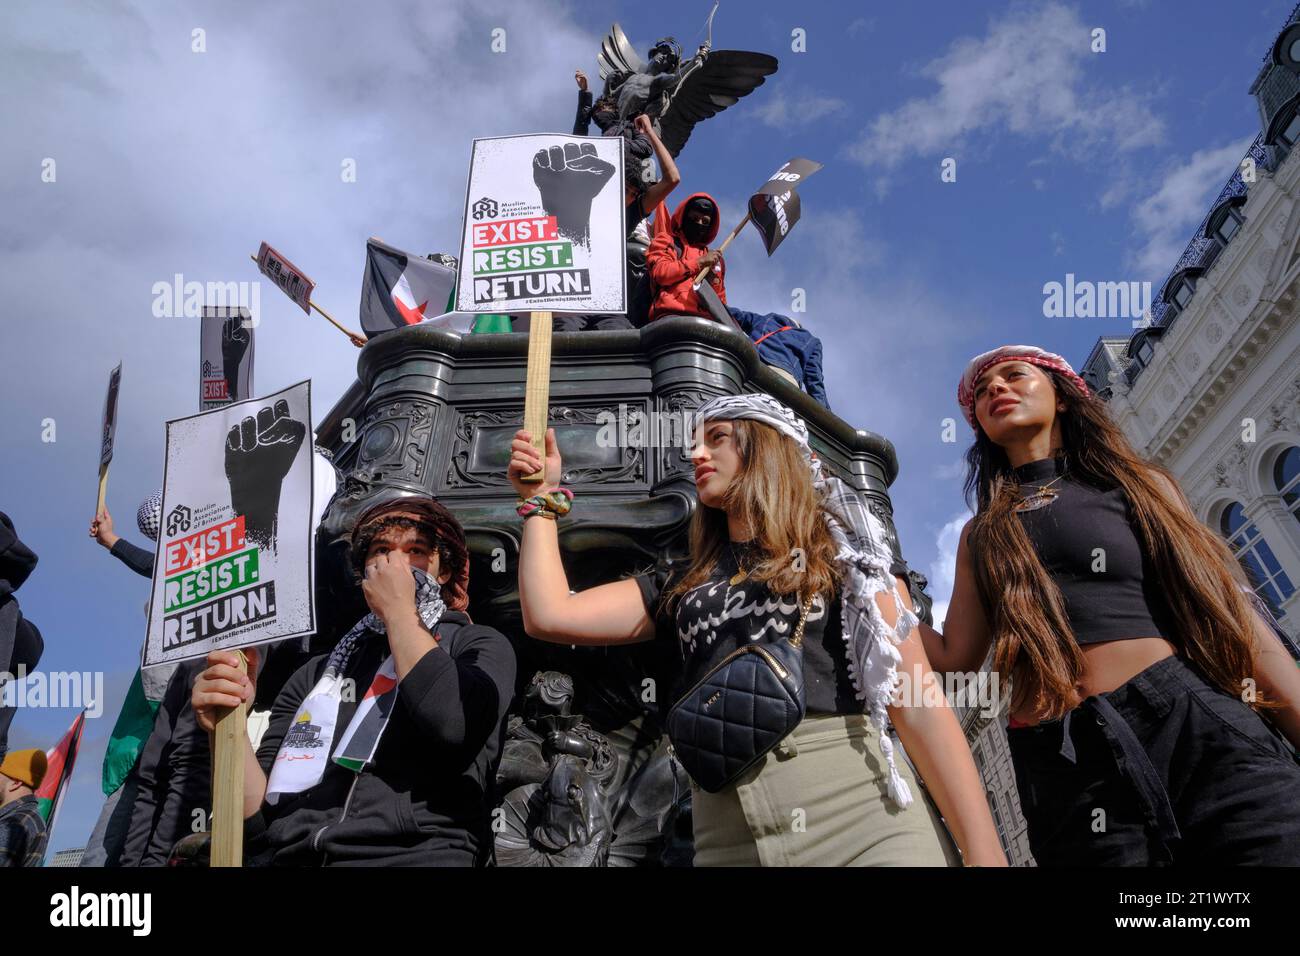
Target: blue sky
170	160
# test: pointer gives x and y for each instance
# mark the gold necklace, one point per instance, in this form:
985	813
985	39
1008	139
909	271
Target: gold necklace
740	574
1043	496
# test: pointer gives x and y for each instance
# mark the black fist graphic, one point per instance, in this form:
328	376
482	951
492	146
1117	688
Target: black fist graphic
569	178
234	343
258	456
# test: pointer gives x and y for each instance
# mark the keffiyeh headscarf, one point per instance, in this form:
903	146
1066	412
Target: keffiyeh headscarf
864	557
1009	353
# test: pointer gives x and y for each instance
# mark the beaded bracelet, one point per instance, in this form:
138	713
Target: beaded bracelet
554	504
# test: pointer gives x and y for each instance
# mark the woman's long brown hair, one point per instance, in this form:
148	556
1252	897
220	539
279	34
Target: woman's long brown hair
1201	581
774	494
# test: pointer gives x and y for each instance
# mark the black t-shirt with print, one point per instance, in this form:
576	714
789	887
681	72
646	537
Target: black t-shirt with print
717	617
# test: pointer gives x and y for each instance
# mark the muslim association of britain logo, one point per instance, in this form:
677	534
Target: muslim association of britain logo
179	519
303	735
484	208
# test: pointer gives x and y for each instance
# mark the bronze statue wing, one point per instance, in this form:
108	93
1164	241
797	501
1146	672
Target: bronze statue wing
617	55
724	78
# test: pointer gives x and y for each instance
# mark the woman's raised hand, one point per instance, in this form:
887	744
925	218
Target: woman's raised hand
524	460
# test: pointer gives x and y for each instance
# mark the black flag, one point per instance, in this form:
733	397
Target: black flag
775	207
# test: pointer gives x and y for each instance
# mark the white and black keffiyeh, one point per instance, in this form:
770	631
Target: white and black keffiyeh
149	518
429	605
864	557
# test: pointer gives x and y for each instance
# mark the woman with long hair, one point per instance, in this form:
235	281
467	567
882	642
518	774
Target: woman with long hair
779	548
1138	669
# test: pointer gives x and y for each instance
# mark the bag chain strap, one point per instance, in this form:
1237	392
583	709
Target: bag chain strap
797	640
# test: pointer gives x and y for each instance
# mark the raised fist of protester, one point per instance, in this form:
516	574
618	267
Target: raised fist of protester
101	529
223	685
389	585
581	79
258	456
569	178
524	461
643	124
234	343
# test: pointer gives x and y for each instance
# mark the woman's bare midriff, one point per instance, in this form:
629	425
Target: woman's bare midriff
1109	665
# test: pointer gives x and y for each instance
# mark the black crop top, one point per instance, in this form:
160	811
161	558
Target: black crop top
1086	541
717	617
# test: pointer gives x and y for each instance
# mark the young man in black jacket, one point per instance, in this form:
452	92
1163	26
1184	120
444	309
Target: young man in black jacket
384	752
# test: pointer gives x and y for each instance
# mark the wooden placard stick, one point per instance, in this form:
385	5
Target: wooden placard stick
721	249
537	386
228	783
103	489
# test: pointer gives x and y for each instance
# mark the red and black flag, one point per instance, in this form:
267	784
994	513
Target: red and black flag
400	289
60	759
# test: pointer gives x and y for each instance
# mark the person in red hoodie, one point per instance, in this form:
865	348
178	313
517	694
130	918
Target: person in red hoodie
679	252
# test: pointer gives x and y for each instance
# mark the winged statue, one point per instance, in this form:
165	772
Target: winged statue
675	94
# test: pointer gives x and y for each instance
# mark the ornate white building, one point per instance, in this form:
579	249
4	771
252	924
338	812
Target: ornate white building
1211	388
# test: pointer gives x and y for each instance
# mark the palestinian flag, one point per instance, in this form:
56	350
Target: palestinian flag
400	289
361	739
58	772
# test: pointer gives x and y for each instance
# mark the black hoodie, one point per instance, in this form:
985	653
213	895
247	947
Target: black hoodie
427	798
20	641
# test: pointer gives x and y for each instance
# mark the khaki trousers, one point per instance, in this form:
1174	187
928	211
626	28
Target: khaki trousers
820	799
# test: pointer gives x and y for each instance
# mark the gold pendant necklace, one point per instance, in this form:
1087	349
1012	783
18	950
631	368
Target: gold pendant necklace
1043	496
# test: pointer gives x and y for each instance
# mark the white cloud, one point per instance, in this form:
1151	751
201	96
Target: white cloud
1029	75
953	469
943	568
1164	220
783	110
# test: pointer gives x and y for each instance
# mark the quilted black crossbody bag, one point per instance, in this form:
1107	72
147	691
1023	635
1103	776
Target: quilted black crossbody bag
742	708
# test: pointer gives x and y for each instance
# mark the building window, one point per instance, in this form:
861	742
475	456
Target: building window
1183	294
1266	575
993	808
1292	131
1145	352
1286	477
1228	228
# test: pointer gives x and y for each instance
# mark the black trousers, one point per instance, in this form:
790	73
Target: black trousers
1166	769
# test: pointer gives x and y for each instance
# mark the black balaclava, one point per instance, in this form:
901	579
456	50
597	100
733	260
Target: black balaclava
698	235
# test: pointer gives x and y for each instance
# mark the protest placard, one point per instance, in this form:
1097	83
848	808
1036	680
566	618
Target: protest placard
225	356
109	429
544	226
235	563
108	432
292	281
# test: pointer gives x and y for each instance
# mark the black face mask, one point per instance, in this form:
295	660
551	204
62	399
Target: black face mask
695	234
